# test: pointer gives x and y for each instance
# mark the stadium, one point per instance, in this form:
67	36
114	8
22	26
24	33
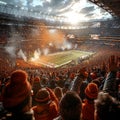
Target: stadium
24	36
55	41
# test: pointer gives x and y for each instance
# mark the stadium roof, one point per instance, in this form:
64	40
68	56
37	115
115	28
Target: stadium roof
62	10
82	10
112	6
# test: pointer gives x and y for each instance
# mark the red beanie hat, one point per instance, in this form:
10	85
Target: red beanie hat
43	96
17	90
91	90
72	75
37	79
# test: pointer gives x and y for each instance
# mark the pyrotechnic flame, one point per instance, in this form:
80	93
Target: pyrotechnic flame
36	56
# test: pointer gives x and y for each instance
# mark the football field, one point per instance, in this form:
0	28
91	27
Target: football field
59	59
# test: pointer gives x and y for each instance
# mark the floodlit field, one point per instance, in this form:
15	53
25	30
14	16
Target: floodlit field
62	58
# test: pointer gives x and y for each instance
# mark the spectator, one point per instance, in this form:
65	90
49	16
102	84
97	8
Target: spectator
70	107
47	107
97	81
111	83
84	85
35	87
58	92
16	97
88	109
106	107
66	87
80	82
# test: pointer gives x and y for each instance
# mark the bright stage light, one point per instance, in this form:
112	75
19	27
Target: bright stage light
74	18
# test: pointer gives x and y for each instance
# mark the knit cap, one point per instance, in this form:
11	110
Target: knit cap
43	96
91	90
17	90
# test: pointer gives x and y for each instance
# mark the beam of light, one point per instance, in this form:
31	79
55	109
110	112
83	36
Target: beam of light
74	18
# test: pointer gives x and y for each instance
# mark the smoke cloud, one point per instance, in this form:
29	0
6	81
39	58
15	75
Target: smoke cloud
11	51
13	44
22	55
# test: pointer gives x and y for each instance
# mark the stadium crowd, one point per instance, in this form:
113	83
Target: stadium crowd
86	91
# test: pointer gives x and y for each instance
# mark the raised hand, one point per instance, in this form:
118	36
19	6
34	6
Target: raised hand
113	64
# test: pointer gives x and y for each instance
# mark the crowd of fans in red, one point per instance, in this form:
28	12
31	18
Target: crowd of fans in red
87	91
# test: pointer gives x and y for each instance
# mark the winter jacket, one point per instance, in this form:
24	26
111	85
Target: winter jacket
88	110
110	84
45	111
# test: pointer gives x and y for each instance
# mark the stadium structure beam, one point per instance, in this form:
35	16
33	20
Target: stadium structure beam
111	6
12	10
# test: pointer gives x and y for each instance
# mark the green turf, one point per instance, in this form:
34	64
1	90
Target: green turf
61	58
